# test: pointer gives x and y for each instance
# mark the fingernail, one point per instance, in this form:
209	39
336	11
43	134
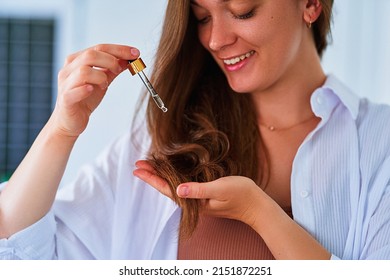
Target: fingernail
134	52
89	88
183	191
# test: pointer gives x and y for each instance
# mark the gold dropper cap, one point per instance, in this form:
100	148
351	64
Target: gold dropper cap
136	66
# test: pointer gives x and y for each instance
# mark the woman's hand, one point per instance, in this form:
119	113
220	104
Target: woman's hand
232	197
83	82
239	198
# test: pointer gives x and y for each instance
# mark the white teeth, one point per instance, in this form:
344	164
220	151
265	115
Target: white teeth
238	59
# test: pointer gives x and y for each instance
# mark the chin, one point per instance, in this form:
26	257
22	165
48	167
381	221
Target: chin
240	87
243	83
240	91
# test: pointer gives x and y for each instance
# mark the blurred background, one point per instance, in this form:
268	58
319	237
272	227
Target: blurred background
37	35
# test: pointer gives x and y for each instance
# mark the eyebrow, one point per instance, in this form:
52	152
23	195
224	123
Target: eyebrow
193	2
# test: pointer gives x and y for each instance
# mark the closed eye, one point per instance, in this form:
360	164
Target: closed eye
246	15
204	20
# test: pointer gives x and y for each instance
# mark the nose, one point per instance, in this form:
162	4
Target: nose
221	35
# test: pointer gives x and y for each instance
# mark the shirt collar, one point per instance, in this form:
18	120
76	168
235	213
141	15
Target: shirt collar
344	94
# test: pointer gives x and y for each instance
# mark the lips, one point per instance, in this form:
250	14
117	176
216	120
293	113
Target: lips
235	60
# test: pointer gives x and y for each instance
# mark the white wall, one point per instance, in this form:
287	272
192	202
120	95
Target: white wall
360	54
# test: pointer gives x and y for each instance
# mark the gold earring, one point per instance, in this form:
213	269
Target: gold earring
308	24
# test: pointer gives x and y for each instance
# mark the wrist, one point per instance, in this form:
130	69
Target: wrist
265	211
55	130
52	134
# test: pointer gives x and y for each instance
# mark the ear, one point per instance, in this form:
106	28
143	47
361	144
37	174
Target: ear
312	11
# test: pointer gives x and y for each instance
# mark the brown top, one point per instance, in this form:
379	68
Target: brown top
224	239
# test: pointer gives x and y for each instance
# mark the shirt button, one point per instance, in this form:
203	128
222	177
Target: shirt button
320	100
304	194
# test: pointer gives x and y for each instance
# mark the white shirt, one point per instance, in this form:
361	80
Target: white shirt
340	188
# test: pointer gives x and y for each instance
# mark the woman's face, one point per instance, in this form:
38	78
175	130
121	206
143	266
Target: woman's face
257	43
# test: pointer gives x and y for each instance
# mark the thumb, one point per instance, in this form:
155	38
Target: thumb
194	190
207	190
213	189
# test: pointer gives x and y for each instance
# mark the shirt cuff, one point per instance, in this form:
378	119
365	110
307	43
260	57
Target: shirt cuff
36	242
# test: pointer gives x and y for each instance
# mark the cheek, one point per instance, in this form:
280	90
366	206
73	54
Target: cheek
260	32
277	37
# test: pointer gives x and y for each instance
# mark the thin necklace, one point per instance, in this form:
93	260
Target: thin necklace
273	128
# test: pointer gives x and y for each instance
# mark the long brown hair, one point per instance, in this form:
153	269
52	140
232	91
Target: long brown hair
322	27
209	130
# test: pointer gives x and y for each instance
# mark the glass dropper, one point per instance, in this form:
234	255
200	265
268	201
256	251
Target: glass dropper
136	67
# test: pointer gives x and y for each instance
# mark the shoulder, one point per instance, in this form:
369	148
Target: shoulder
372	120
373	112
373	124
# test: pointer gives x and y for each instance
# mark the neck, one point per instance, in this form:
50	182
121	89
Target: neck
287	102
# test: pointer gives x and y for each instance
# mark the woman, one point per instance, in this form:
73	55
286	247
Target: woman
254	129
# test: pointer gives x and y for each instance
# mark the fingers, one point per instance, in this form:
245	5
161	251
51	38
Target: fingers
78	94
112	58
196	190
216	189
92	59
208	190
96	66
85	75
146	173
83	83
118	51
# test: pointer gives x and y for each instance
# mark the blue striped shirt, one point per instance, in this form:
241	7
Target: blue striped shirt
340	182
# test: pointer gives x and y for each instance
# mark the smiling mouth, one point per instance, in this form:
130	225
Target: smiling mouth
237	59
